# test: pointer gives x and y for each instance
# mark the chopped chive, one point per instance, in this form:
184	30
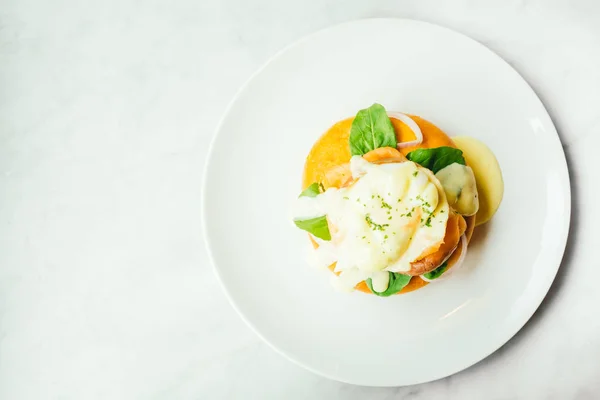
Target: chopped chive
373	225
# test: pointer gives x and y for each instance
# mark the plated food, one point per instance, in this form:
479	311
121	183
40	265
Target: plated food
254	173
390	201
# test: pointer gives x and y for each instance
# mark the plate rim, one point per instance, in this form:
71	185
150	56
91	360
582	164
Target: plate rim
562	237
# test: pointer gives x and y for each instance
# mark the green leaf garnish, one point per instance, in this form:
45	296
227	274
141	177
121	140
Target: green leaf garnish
436	273
397	283
371	129
437	158
312	191
316	226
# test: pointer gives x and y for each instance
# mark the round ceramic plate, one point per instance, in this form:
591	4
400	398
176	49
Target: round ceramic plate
253	177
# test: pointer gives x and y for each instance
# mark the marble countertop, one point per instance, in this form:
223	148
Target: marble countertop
106	112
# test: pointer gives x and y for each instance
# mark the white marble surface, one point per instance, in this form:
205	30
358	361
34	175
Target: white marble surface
106	111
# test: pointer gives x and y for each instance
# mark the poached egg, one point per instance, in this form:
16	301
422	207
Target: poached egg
388	216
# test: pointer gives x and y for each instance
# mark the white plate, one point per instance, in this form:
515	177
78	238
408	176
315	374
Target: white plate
253	176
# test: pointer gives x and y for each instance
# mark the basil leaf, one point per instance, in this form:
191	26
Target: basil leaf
436	273
437	158
397	283
312	191
371	129
315	226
